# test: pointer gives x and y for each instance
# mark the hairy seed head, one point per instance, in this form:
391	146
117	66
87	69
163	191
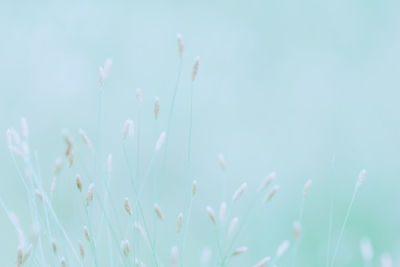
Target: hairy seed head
210	213
127	206
239	251
158	211
239	192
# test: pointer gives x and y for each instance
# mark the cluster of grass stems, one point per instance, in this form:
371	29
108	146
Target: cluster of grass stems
52	245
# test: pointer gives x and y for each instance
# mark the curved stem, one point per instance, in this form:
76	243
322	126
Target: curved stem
344	225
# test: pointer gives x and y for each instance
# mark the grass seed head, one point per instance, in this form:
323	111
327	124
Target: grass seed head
307	186
38	194
89	195
239	251
386	260
222	211
282	248
361	178
160	141
180	44
239	192
86	232
268	180
78	182
221	161
54	246
233	226
210	213
296	230
195	68
81	249
179	221
85	138
271	194
366	249
156	107
127	206
263	262
158	211
139	95
174	257
194	187
128	129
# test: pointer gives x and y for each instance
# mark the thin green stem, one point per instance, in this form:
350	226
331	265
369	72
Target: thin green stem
344	225
331	206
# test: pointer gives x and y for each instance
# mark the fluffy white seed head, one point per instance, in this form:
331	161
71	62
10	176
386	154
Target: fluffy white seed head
179	222
157	210
58	165
180	44
233	226
386	260
239	251
160	141
263	262
307	186
174	257
139	95
195	68
361	178
109	163
127	206
239	192
210	213
156	107
128	129
205	256
282	248
104	71
194	187
296	230
366	249
140	229
85	138
222	211
89	195
268	180
271	194
24	128
221	161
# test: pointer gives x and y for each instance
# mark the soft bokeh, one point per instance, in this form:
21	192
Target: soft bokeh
283	86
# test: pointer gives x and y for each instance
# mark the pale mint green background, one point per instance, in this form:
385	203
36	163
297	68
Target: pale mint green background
283	85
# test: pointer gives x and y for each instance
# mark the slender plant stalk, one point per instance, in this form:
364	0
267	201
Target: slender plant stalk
187	183
331	206
343	226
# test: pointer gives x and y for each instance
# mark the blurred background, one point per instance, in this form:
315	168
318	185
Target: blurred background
283	86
